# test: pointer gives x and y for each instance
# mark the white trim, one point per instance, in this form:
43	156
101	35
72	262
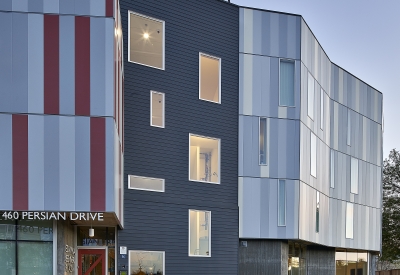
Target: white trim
146	189
219	78
284	224
294	82
219	159
265	139
129	259
209	235
151	109
55	263
129	39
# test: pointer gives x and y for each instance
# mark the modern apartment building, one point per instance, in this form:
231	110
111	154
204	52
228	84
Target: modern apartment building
181	137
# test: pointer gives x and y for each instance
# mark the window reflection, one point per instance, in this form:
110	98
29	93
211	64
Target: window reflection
351	263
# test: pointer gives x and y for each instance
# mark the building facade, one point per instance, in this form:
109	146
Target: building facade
181	137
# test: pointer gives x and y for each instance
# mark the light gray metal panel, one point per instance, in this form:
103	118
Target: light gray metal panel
67	6
109	66
110	174
241	140
6	46
19	65
250	146
36	164
51	6
20	5
97	65
35	64
241	32
82	7
250	211
97	8
82	164
6	5
51	163
67	163
6	168
35	6
67	65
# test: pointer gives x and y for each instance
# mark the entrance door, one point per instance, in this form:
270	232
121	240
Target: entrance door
91	262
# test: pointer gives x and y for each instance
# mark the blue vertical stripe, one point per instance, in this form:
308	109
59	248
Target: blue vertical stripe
6	94
6	168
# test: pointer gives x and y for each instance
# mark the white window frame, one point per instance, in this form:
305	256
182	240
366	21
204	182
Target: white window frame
322	110
129	258
129	39
285	203
266	141
219	77
349	219
146	189
219	159
151	109
294	82
310	113
209	234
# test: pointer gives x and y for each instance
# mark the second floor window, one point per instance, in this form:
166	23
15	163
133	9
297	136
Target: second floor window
209	78
286	83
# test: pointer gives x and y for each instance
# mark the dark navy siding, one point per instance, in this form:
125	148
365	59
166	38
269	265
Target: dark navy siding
159	221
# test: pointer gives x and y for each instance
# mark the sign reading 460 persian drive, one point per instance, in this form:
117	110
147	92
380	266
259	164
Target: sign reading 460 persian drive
47	216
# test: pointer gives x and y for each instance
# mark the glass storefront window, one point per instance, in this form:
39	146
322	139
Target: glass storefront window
351	263
35	230
35	258
7	258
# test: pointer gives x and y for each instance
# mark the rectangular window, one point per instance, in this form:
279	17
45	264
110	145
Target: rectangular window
354	175
349	220
157	109
209	78
263	141
146	184
146	262
204	159
282	203
313	155
332	169
322	109
348	127
310	96
199	233
317	215
146	40
286	83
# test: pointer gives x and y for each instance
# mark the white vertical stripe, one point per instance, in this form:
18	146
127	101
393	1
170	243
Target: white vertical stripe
109	67
67	163
36	162
35	63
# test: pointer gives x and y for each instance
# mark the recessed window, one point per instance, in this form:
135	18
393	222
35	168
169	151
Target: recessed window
332	169
317	214
263	141
210	78
204	160
349	220
281	203
199	233
146	184
146	40
310	96
313	155
286	83
322	109
157	109
348	127
354	176
146	262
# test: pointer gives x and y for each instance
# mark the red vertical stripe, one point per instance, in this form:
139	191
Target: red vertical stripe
82	66
109	8
20	161
51	64
97	164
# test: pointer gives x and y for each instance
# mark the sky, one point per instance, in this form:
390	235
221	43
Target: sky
361	36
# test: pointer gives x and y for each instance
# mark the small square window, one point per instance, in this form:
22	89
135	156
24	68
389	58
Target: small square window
209	78
146	40
146	262
157	105
145	183
204	159
199	233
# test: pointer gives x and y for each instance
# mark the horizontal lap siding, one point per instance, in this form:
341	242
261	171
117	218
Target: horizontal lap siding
159	221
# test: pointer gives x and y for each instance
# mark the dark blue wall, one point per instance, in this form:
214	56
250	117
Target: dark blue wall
159	221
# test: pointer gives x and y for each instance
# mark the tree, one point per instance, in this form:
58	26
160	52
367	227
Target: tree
391	210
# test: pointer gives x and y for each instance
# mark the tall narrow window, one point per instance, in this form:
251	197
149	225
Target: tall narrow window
322	109
286	83
146	40
313	155
281	203
317	214
157	109
263	141
199	233
354	176
204	160
310	96
332	169
210	78
349	220
348	127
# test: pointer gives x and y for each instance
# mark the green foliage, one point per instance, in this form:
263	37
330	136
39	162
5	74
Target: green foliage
391	208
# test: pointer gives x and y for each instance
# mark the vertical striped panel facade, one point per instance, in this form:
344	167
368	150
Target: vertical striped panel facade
265	38
61	142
